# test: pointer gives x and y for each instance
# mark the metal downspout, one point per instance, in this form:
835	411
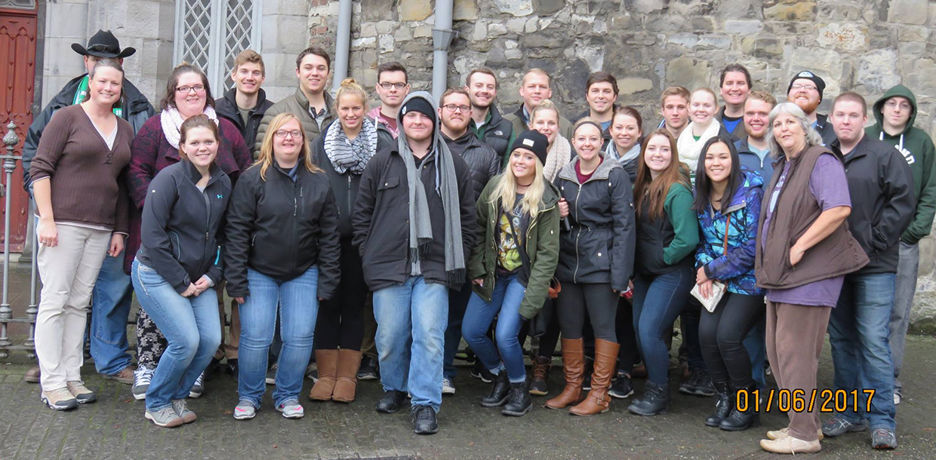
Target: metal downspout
342	44
441	40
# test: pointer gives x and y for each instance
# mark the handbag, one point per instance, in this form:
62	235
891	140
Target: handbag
718	288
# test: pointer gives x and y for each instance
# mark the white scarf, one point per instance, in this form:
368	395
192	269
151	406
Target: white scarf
559	155
689	148
171	121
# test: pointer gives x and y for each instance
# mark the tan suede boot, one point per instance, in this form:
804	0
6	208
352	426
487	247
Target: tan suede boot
348	363
327	362
598	399
573	364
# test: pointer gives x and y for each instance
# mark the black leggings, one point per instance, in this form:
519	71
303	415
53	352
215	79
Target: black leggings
599	301
341	319
721	334
628	355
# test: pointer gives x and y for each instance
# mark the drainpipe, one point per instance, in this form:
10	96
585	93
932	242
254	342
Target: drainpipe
343	44
441	40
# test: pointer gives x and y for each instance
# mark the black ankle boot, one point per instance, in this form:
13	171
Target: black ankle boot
738	420
499	391
723	405
653	402
518	400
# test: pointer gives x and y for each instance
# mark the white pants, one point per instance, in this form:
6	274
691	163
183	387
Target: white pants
68	272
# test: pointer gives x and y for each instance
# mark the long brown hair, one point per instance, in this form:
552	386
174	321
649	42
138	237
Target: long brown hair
654	191
266	148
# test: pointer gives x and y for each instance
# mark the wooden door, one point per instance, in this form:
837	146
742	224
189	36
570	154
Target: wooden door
17	75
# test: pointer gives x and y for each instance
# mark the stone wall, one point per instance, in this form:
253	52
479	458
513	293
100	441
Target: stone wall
863	45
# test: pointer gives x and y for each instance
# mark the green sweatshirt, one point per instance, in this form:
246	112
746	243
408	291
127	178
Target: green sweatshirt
678	208
917	148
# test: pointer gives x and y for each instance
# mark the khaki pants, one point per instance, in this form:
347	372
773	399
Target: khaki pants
228	348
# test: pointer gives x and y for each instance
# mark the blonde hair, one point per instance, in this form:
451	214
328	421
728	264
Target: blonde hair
350	87
266	149
506	191
544	105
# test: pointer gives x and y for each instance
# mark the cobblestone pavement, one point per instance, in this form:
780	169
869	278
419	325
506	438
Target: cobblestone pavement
114	426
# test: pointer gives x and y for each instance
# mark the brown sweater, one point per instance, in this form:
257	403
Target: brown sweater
88	185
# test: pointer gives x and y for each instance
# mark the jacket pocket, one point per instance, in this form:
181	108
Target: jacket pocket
389	183
175	246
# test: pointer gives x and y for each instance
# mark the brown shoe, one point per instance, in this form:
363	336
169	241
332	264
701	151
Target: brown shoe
598	399
32	375
573	364
327	363
125	376
540	375
348	363
639	371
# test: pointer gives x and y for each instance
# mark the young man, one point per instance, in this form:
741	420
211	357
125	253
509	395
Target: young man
734	86
534	88
601	92
414	248
674	104
310	103
456	111
753	148
112	291
245	104
486	122
881	187
895	113
805	91
392	87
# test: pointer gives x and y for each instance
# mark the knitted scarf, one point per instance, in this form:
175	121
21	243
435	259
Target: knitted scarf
689	149
559	155
171	121
350	155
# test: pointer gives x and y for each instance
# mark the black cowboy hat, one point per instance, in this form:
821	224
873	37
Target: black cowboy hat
103	44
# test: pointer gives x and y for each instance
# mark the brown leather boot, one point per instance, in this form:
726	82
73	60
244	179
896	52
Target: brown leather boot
573	364
598	399
327	362
348	363
540	375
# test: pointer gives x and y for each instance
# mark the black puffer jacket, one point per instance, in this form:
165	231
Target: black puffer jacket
480	158
182	231
281	228
227	108
496	132
600	246
880	183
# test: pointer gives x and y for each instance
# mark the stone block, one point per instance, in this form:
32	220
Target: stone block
480	31
386	27
142	16
910	51
789	10
743	26
513	54
688	72
414	10
648	6
385	43
290	7
843	36
403	34
717	42
907	11
422	31
368	29
632	85
685	40
762	47
363	42
918	74
547	7
516	25
877	70
912	33
281	33
465	10
823	62
514	7
496	29
531	26
68	20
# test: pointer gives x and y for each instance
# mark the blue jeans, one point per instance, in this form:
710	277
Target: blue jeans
110	308
411	320
757	350
657	302
298	306
192	328
505	304
858	330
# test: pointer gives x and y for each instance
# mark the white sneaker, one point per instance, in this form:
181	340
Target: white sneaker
448	388
245	410
198	388
291	408
142	377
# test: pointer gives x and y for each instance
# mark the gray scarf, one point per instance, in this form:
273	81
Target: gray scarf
420	225
347	155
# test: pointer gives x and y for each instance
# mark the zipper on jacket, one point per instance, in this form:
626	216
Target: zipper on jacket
207	221
349	195
577	234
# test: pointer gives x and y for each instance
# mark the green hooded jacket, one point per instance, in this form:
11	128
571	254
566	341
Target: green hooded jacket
541	244
917	148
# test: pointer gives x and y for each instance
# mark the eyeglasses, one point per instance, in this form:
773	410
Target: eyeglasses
187	89
282	133
456	108
799	86
388	85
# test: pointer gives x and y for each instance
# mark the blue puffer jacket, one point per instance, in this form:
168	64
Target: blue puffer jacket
736	268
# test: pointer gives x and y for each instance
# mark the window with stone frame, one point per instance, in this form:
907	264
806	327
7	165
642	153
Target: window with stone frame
210	34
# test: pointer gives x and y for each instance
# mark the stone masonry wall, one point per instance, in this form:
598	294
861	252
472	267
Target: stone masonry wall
864	45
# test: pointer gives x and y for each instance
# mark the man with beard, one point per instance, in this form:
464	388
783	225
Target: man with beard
486	122
534	88
455	112
734	85
392	87
805	91
674	106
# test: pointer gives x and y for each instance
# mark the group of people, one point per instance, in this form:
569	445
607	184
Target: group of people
402	229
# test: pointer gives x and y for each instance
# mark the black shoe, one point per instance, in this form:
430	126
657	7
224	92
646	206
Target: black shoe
518	400
479	372
391	402
689	386
621	388
737	420
499	391
231	367
653	402
424	420
704	386
722	405
368	369
539	387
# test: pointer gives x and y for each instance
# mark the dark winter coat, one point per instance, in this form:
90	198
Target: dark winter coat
480	158
227	107
497	132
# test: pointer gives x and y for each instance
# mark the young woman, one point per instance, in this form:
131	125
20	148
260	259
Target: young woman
511	268
727	203
282	255
178	263
342	153
545	119
82	205
626	130
595	263
667	235
702	126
